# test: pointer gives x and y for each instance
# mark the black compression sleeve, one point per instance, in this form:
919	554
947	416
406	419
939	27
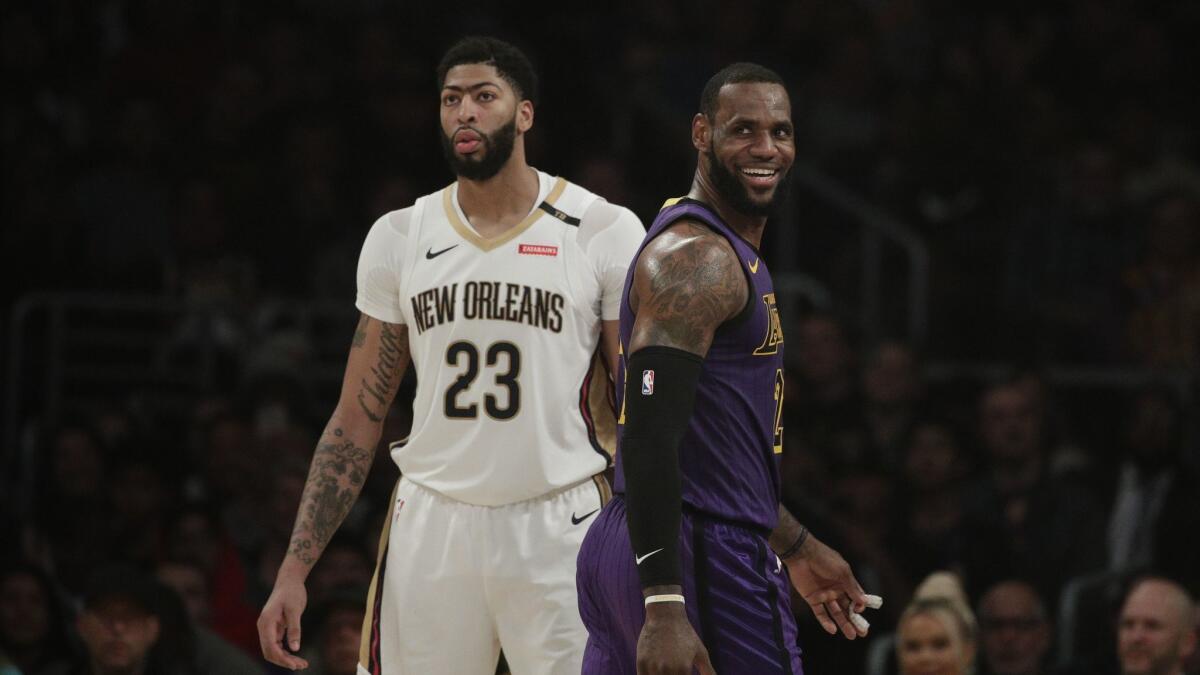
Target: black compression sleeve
660	389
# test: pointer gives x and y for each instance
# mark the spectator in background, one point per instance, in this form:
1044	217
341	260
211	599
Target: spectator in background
77	467
213	654
91	139
73	507
344	563
1064	456
310	191
892	391
195	533
936	633
1014	631
1162	288
188	580
337	623
283	490
864	510
120	624
176	651
34	634
232	476
122	206
606	176
824	404
1156	500
1022	521
1061	256
1156	633
141	498
932	495
276	394
209	268
213	276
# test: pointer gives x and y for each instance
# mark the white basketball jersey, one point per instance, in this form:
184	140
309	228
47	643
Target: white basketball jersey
503	334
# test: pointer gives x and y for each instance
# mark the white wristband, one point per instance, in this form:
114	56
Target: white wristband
651	599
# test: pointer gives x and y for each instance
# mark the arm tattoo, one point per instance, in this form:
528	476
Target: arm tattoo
690	285
339	469
360	332
377	390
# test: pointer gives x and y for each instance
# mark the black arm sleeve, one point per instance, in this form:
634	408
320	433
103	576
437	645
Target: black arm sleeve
657	410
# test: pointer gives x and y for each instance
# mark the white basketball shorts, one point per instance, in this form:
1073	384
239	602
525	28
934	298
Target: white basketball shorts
456	582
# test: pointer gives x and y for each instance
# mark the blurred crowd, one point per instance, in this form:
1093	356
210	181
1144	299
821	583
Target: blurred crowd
228	154
996	482
227	151
905	478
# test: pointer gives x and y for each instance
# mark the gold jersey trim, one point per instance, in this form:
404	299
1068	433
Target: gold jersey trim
489	243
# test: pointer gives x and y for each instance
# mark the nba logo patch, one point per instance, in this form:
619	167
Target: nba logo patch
399	505
647	382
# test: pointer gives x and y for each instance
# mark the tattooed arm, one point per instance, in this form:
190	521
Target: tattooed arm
687	282
378	357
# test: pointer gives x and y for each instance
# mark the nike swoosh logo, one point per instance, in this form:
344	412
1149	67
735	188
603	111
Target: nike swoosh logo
430	255
580	519
753	267
639	558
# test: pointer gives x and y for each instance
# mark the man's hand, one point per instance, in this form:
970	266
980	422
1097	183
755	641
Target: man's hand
280	621
668	644
827	584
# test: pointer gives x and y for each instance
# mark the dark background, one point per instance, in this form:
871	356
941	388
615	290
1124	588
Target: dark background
186	186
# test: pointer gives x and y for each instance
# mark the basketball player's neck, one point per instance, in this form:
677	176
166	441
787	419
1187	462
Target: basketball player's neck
494	205
747	227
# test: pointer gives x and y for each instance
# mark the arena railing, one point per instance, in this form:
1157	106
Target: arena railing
1182	382
877	228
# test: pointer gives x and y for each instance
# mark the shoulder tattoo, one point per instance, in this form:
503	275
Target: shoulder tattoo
690	283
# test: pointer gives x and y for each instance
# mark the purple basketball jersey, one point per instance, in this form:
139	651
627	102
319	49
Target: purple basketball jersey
729	456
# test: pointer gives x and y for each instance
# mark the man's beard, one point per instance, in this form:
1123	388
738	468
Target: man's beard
497	148
731	190
1160	664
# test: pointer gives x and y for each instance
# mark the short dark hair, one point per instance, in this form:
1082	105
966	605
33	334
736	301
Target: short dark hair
734	73
510	63
345	596
119	580
53	596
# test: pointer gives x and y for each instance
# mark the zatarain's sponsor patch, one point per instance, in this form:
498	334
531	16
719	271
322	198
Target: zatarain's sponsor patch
537	249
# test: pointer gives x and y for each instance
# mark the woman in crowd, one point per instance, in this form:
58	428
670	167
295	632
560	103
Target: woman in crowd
33	629
936	633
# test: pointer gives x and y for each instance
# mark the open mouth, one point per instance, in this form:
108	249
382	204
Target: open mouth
760	176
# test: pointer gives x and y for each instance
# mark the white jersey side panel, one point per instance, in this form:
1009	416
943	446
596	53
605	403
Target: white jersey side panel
502	333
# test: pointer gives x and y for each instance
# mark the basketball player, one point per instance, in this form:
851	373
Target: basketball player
695	541
498	289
